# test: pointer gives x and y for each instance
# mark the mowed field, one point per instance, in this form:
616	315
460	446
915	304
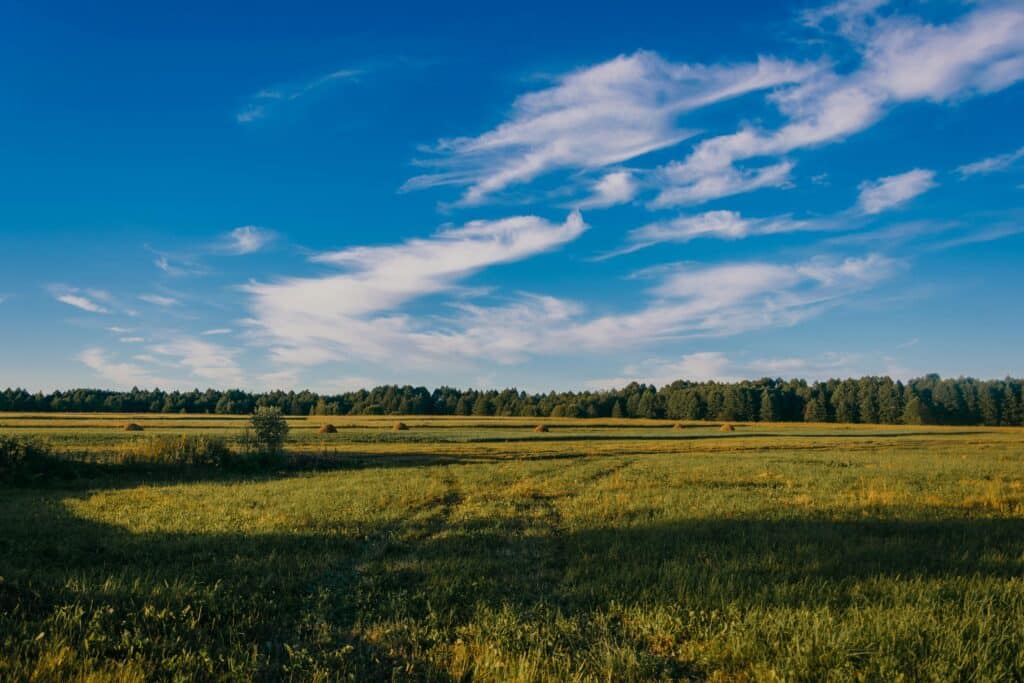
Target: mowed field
477	549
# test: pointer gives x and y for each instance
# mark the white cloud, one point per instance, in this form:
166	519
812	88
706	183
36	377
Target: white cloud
123	375
595	117
159	300
683	185
81	302
216	331
703	366
260	104
310	320
210	362
716	366
1000	162
613	188
727	225
132	340
987	235
892	191
903	60
247	239
688	301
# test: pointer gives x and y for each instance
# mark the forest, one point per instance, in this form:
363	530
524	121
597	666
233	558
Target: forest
925	400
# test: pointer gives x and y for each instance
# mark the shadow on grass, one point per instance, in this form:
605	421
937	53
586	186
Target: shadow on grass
281	605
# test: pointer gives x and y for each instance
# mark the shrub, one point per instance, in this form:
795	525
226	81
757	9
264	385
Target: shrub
21	456
399	427
195	449
541	428
269	429
327	429
133	427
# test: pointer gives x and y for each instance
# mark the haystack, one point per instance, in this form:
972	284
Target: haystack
132	427
327	429
727	428
399	427
677	425
541	428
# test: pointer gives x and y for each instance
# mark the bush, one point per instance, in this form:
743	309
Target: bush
197	449
269	429
21	456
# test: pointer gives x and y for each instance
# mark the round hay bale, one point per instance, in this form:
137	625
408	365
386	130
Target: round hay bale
133	427
541	428
327	429
399	427
677	425
727	428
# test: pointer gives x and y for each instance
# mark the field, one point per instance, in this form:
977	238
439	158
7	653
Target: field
477	549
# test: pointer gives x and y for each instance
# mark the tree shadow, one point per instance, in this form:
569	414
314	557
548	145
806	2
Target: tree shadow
314	598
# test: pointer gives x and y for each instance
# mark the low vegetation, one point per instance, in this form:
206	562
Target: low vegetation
477	549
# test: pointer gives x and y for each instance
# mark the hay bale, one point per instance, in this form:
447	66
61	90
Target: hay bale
541	428
133	427
727	428
399	427
677	425
327	429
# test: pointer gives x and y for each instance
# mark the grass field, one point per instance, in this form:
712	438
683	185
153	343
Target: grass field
476	549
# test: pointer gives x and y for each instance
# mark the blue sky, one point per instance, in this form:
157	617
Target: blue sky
546	196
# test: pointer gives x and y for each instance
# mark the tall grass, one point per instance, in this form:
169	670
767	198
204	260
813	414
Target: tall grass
189	449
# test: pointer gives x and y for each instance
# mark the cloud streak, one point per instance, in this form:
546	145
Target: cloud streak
595	117
894	191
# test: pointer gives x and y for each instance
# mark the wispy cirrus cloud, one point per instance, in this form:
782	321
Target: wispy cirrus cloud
262	104
81	302
247	239
91	300
159	300
124	375
1000	162
903	59
895	190
621	109
355	312
613	188
595	117
718	366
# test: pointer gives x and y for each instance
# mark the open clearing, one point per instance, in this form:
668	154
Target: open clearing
479	549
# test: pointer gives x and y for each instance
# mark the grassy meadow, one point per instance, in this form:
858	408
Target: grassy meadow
477	549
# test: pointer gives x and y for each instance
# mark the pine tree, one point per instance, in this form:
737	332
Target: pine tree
815	411
482	406
617	409
916	412
769	406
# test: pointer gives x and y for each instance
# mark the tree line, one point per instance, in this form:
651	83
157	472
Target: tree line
925	400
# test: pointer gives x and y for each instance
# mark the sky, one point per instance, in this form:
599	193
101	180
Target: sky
539	195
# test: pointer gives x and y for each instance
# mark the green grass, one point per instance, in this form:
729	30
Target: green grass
478	550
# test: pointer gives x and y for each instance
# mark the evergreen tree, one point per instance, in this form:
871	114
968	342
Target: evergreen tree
815	410
916	412
617	409
482	406
769	406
